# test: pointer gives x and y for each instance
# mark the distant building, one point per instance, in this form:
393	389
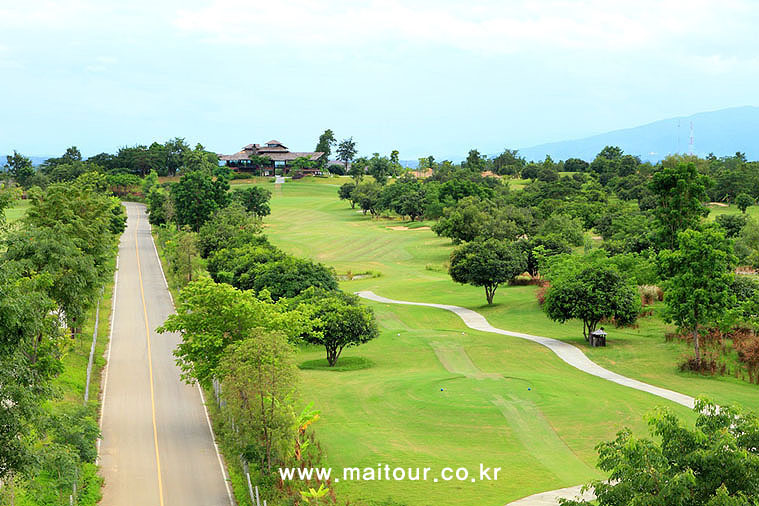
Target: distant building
279	155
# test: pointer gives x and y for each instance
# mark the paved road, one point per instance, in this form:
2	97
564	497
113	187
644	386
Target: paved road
565	351
156	447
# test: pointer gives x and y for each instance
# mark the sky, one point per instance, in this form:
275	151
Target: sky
422	76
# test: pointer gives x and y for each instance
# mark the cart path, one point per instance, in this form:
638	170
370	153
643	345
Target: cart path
565	351
157	447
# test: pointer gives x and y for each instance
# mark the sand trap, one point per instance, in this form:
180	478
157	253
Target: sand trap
401	227
718	204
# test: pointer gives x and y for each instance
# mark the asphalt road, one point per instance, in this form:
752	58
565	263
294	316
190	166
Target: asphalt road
156	446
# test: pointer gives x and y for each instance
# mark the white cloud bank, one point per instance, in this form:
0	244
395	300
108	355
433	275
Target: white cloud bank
490	26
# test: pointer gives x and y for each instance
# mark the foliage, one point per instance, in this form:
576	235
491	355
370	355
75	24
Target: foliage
290	276
345	192
229	227
254	199
564	226
596	292
326	141
338	320
731	223
367	195
196	197
743	201
211	316
258	378
714	463
19	168
346	151
698	276
473	219
680	192
487	263
239	264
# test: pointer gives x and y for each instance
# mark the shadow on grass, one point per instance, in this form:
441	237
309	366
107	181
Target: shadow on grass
343	364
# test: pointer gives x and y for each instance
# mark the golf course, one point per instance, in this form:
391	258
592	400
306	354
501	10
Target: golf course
431	392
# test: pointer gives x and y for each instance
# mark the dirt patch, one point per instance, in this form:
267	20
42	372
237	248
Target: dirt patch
718	204
401	227
596	237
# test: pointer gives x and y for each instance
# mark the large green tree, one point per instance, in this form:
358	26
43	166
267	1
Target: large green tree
197	196
19	168
346	151
339	321
487	263
714	463
255	200
211	316
680	193
698	276
326	141
590	294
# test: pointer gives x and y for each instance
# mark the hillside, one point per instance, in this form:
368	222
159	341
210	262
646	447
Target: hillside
721	132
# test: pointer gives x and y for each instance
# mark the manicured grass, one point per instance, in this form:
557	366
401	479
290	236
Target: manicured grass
17	210
395	413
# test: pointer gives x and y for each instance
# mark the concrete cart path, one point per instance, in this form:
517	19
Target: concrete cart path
569	354
157	447
565	351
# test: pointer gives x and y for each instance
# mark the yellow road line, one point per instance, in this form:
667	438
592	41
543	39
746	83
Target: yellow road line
150	363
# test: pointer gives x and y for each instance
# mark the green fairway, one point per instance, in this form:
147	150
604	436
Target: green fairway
395	413
17	210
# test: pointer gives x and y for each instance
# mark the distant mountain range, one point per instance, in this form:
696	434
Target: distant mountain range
36	160
721	132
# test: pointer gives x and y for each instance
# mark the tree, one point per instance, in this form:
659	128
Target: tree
239	263
259	376
472	218
732	223
358	169
229	227
345	192
254	199
680	193
175	151
211	316
19	168
576	165
379	168
181	255
196	197
150	181
346	151
475	162
486	263
566	227
290	276
367	195
300	164
698	276
74	279
339	321
160	206
326	141
712	464
743	201
508	163
596	292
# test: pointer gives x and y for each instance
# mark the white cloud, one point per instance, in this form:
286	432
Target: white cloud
489	26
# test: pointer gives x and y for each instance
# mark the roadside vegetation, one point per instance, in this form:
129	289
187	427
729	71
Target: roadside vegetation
663	256
58	256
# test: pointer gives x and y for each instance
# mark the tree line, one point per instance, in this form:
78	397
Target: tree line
52	267
244	308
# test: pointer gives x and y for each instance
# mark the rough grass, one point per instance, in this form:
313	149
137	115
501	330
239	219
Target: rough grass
395	412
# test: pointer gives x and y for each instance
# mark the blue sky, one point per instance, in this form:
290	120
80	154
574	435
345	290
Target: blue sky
425	77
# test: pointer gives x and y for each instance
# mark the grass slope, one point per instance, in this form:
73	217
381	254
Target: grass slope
395	412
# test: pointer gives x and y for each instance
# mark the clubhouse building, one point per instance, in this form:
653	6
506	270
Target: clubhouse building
253	158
